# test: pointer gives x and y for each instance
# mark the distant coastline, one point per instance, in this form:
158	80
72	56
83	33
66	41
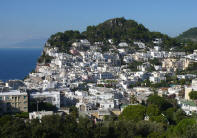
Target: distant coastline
26	44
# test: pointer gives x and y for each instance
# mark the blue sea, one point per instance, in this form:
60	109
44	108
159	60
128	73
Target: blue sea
16	63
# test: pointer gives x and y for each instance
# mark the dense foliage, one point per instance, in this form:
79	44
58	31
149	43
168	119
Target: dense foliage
162	103
134	65
40	106
120	29
133	113
168	122
188	40
64	40
155	61
190	34
56	126
117	29
160	117
191	69
187	46
193	95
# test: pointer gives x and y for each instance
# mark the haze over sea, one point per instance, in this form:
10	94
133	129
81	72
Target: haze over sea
16	63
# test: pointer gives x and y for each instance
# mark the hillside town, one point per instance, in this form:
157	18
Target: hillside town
98	69
101	83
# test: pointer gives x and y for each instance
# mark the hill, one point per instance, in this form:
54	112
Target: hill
121	29
118	29
190	34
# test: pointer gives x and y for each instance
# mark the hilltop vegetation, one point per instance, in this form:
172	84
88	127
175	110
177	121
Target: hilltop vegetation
64	40
188	40
120	29
190	34
117	29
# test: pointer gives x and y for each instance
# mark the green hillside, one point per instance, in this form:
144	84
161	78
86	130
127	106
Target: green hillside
118	29
190	34
121	29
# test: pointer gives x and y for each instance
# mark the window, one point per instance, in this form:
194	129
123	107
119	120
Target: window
7	97
25	97
0	98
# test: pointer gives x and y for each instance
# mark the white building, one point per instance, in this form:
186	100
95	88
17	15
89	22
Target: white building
140	44
175	89
110	41
76	44
85	42
157	41
106	105
39	115
188	106
81	93
52	97
157	77
123	44
157	48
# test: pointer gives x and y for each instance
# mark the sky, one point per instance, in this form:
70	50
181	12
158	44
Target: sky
22	20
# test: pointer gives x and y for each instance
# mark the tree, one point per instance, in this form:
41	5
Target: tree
183	126
159	119
52	126
192	67
152	110
68	126
85	127
179	115
41	106
133	113
14	128
193	95
144	128
123	129
133	65
161	102
74	112
191	131
155	61
170	114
